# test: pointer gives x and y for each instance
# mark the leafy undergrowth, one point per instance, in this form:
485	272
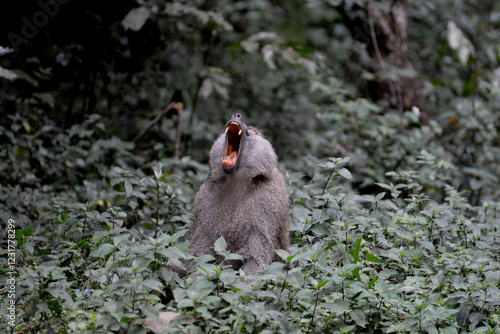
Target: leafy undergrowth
397	262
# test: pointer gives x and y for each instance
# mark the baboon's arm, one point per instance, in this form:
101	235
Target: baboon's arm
258	253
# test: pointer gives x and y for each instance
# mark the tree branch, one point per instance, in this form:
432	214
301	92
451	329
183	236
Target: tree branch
174	105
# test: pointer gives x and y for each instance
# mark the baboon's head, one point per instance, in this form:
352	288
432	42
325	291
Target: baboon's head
241	148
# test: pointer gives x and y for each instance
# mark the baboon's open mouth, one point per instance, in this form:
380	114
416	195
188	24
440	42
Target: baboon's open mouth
233	143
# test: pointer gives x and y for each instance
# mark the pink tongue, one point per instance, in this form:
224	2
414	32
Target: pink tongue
230	159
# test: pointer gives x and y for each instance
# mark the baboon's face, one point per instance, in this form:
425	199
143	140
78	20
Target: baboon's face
236	135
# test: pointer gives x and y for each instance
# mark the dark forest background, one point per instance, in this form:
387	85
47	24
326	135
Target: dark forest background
405	93
321	78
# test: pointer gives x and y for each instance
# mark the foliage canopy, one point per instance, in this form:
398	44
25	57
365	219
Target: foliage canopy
399	234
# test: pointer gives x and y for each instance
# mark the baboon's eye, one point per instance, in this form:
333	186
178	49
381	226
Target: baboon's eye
261	178
252	131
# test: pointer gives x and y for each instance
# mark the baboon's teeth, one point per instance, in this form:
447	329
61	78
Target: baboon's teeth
239	133
227	129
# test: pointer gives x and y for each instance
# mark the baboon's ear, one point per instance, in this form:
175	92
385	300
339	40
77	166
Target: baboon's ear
253	131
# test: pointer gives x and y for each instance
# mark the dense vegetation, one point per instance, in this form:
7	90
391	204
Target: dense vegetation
385	116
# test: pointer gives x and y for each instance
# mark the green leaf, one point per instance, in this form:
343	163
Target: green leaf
93	318
220	245
172	252
126	319
345	173
359	317
322	284
8	74
383	185
60	293
81	244
372	258
356	250
346	254
436	82
177	236
232	257
356	274
157	170
120	239
28	231
283	254
103	250
133	205
128	187
153	285
372	282
246	298
136	18
26	126
203	259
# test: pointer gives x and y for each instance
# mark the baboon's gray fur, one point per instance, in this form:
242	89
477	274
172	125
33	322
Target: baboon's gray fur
248	207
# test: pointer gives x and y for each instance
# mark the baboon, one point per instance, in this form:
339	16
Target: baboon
244	200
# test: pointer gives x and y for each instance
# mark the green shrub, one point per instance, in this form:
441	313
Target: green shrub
393	262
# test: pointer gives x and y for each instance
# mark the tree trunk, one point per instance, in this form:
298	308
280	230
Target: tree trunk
384	33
